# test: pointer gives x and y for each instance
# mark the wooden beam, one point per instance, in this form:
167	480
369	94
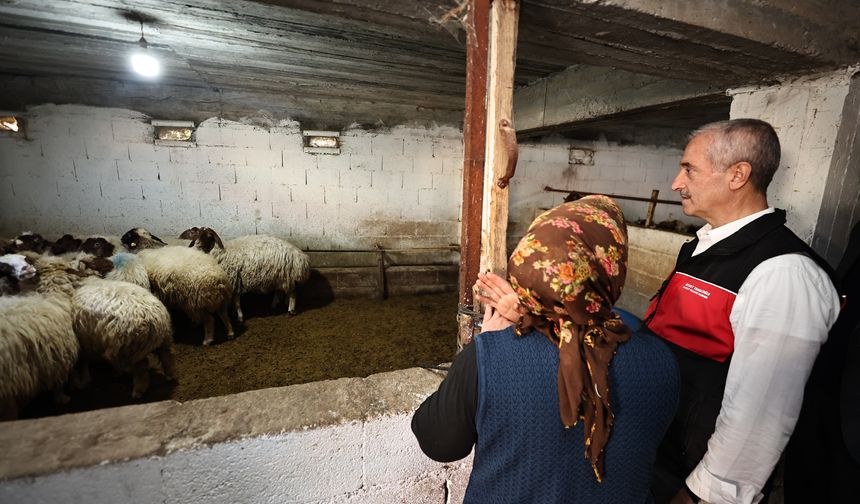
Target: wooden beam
502	59
474	140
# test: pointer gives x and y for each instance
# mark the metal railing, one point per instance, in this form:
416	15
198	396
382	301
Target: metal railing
573	194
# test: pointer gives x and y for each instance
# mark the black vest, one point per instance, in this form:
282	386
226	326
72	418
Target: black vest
704	357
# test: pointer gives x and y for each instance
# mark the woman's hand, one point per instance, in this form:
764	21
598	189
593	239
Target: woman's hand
494	291
493	320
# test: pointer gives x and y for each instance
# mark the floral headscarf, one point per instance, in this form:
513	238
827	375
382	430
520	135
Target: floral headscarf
568	271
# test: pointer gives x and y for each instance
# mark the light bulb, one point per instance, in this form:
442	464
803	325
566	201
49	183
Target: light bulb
145	65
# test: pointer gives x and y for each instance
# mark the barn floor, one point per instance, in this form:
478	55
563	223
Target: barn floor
334	339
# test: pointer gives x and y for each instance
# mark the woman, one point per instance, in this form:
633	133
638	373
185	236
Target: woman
551	420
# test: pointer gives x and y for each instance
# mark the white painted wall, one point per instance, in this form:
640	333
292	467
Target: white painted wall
374	461
96	170
627	170
806	114
337	441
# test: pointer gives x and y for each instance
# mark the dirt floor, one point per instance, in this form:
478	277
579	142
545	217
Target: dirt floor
334	339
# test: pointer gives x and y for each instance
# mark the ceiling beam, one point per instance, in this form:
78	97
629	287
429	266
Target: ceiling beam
583	93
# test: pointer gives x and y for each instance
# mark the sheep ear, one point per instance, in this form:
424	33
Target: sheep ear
218	240
157	239
190	234
193	241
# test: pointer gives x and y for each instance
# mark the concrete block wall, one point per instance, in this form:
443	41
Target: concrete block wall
806	114
627	170
650	258
339	441
96	170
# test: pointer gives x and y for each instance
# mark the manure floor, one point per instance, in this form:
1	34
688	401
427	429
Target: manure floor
345	337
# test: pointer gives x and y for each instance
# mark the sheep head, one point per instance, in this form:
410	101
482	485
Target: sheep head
206	239
19	266
140	238
66	243
98	247
28	241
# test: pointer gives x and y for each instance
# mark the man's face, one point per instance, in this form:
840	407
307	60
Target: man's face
704	189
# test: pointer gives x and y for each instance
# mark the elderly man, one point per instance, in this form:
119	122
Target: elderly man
745	311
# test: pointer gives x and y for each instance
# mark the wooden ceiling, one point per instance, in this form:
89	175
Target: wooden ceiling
332	63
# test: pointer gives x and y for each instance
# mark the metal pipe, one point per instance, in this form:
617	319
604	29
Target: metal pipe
614	196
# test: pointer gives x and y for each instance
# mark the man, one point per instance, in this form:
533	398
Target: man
745	312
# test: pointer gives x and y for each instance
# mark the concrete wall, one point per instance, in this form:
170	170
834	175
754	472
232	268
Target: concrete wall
806	114
338	441
650	258
628	170
96	170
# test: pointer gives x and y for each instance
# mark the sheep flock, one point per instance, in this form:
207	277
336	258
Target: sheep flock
68	302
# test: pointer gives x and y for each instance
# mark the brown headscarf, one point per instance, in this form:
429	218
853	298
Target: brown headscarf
568	271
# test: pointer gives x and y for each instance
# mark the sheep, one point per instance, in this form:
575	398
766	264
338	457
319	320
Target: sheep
256	263
123	323
98	246
13	269
128	268
65	245
140	238
186	279
38	346
28	241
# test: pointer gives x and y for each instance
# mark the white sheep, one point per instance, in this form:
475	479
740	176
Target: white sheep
128	268
191	281
13	269
38	347
256	263
140	239
122	323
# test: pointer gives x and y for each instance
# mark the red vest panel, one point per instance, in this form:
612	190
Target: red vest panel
699	317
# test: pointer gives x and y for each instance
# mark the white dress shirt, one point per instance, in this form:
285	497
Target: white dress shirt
780	318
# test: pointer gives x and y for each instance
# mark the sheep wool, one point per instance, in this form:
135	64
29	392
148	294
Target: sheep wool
119	322
38	348
263	263
123	323
187	279
128	268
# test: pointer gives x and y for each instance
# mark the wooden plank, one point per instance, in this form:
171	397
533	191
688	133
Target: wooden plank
474	152
500	97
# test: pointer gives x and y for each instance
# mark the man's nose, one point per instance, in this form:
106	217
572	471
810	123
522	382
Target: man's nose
677	184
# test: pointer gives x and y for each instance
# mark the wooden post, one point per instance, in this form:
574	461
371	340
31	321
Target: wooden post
652	205
474	131
502	59
380	277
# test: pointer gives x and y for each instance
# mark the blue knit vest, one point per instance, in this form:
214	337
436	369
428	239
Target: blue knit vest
525	455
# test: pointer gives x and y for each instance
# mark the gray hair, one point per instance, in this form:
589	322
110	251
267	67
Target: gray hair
739	140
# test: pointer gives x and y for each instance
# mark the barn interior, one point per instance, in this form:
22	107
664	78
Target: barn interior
604	94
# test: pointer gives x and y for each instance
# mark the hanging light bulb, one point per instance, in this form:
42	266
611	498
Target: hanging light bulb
142	62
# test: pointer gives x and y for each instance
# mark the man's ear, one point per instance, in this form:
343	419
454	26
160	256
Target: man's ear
739	174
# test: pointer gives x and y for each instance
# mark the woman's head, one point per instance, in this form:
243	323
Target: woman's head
568	272
572	262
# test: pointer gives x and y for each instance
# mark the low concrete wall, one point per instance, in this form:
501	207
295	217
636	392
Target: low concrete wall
651	257
338	441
